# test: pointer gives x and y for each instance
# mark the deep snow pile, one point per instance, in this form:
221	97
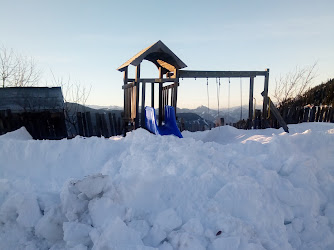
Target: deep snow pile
218	189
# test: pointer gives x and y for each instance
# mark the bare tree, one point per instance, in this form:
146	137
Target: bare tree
75	96
17	70
294	84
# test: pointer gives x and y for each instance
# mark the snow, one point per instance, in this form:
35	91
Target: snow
218	189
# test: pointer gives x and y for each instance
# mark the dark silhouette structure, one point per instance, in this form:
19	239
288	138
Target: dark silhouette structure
39	109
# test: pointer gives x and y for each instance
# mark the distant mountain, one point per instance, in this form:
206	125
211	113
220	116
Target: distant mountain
230	116
105	107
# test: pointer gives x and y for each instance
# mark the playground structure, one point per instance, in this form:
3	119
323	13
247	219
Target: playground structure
170	72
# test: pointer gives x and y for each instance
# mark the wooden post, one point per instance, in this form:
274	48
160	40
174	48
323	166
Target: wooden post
250	106
104	128
84	123
98	125
112	131
126	100
306	114
114	123
152	94
176	84
265	95
160	98
143	105
137	83
79	121
89	124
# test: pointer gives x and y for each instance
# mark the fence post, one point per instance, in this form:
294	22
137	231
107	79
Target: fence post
98	125
306	113
112	128
105	131
114	123
89	124
79	122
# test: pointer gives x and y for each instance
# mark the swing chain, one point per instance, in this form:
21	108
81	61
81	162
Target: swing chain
207	90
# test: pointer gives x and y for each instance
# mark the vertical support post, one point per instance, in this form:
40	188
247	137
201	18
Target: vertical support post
137	84
265	96
176	84
152	94
143	105
126	100
161	108
250	107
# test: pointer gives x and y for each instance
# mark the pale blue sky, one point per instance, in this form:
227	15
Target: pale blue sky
88	40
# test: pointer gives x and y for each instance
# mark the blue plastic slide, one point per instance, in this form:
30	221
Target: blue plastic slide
170	127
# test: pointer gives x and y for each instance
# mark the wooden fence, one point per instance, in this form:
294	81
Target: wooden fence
294	115
99	124
40	125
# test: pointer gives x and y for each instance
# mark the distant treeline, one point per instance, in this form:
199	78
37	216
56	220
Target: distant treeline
322	94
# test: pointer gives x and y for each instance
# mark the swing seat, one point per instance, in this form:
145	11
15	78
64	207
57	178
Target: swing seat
170	126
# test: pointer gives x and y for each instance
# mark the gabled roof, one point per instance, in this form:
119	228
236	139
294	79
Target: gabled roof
159	54
31	99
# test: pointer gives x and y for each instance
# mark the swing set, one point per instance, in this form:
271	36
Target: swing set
170	72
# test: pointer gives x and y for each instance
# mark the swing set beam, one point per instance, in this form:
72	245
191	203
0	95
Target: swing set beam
220	74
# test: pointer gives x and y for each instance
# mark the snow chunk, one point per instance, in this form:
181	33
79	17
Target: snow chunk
93	185
155	236
76	233
193	226
228	243
119	236
23	208
168	220
50	225
184	240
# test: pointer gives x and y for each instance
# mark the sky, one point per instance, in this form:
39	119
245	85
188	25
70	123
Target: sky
86	41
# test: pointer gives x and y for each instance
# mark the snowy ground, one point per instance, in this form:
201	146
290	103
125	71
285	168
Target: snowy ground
218	189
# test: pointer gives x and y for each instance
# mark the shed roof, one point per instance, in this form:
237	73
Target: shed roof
31	99
159	54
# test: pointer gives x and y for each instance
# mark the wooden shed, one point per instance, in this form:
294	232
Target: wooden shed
39	109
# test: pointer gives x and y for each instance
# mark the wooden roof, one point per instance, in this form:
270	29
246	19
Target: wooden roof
31	99
159	54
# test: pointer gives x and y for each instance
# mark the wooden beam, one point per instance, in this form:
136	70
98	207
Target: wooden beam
126	100
265	95
155	80
278	116
218	74
143	105
160	97
152	94
250	107
175	96
137	83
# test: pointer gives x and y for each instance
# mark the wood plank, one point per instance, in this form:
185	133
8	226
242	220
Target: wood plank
217	74
79	122
155	80
160	97
278	116
137	82
250	106
265	95
152	94
143	105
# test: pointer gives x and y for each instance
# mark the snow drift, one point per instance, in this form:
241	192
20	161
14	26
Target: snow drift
218	189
